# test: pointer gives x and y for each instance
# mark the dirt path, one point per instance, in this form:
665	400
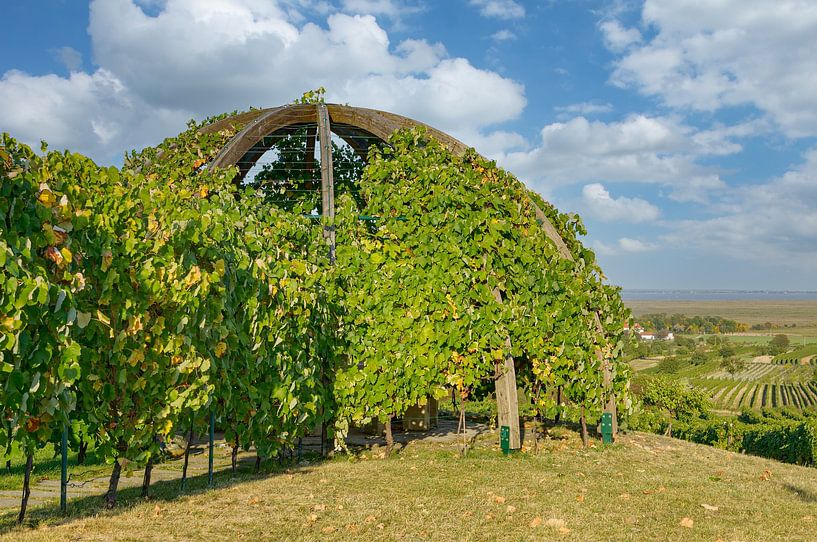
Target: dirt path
762	359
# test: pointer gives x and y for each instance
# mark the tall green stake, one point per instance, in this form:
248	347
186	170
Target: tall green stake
64	470
212	438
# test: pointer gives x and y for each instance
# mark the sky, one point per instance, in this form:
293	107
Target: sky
684	133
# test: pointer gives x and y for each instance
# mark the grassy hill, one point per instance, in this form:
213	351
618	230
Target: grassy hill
645	487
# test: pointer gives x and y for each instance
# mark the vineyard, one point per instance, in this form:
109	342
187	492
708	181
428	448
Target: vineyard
171	295
805	355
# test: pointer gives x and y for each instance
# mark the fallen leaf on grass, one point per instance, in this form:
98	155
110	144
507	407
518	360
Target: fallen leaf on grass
370	519
313	517
564	530
556	523
580	474
535	522
255	500
157	511
499	500
320	507
489	516
328	530
807	518
467	514
352	527
380	526
579	498
624	496
709	507
686	522
511	509
767	475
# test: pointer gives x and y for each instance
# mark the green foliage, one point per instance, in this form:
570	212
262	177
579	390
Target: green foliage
316	96
38	278
779	344
733	365
670	365
135	299
789	441
699	357
681	323
679	400
457	274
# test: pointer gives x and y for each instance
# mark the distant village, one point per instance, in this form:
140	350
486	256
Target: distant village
639	330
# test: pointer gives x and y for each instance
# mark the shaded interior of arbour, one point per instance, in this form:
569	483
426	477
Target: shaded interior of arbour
281	150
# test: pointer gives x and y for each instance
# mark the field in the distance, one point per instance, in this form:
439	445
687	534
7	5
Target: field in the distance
801	313
761	383
646	487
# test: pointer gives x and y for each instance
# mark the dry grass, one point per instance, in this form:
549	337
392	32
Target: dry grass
645	487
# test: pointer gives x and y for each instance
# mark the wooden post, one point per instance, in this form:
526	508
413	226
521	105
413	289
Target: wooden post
327	180
328	212
610	402
507	399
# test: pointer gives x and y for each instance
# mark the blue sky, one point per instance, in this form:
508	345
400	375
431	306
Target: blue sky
684	133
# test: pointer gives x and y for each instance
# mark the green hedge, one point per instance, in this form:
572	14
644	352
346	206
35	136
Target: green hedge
790	441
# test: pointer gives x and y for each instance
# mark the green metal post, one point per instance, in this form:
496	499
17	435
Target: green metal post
64	470
212	438
505	439
607	428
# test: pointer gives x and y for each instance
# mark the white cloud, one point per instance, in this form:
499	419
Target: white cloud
711	55
616	37
190	58
501	9
388	8
585	108
658	150
625	245
600	204
503	35
69	57
774	222
94	114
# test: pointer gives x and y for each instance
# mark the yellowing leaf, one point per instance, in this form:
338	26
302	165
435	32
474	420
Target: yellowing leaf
83	319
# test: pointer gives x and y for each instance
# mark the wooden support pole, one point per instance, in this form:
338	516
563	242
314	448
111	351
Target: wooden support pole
507	398
327	179
610	398
328	212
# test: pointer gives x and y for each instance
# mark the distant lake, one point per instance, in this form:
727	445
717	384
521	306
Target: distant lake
718	295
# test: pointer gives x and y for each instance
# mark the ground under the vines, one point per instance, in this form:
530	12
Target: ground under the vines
645	487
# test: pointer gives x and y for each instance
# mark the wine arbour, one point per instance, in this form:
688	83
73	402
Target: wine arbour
138	299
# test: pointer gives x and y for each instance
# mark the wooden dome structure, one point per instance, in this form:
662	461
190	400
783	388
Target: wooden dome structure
257	133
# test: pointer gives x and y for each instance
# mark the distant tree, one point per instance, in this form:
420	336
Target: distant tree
680	401
686	342
779	344
733	365
698	357
669	365
726	350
